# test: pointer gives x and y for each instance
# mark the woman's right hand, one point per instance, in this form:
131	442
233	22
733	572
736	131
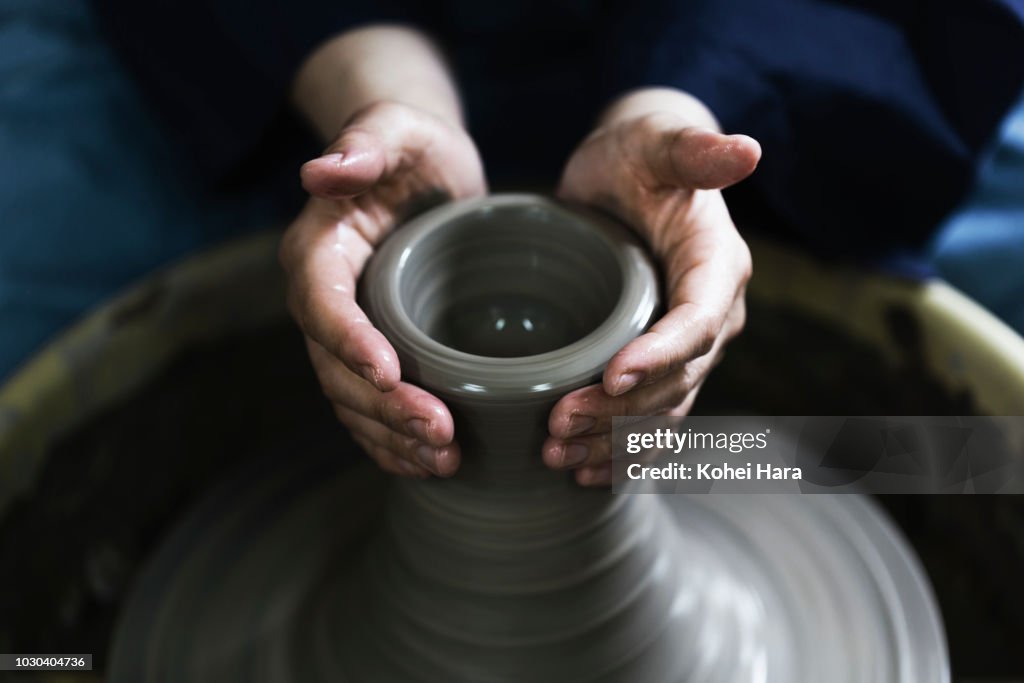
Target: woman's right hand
389	161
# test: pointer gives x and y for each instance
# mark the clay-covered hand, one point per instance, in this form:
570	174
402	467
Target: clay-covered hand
657	161
390	160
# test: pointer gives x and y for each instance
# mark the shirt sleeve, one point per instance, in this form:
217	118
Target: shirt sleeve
872	114
217	72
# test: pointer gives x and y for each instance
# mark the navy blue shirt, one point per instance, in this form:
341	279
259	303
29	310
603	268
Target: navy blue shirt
872	113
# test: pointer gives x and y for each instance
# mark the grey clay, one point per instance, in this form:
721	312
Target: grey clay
508	571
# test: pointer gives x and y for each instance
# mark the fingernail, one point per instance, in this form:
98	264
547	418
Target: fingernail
369	373
419	428
579	424
349	157
427	455
627	381
443	456
335	158
574	454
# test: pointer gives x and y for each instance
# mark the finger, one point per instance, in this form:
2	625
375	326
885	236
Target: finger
406	409
322	266
372	145
582	451
351	166
683	335
590	410
707	309
594	448
443	461
339	325
700	158
388	461
596	476
666	349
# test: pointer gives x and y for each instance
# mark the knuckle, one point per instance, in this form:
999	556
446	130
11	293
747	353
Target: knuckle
739	319
381	409
354	135
399	443
706	328
745	261
406	445
689	378
657	124
392	441
390	411
705	334
663	351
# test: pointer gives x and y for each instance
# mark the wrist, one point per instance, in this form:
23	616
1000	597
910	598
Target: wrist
367	66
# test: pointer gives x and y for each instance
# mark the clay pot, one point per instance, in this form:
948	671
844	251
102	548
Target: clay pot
299	568
500	307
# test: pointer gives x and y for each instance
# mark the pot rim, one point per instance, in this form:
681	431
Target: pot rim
453	372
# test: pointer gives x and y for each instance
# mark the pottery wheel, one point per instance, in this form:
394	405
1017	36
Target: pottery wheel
275	578
301	571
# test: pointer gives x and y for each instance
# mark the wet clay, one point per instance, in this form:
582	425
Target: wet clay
300	570
106	512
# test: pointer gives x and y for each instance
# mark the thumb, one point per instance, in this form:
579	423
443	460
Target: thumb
700	158
376	139
353	163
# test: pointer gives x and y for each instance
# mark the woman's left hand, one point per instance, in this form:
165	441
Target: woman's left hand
658	163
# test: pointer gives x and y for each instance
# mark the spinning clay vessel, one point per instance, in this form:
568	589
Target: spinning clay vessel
301	571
